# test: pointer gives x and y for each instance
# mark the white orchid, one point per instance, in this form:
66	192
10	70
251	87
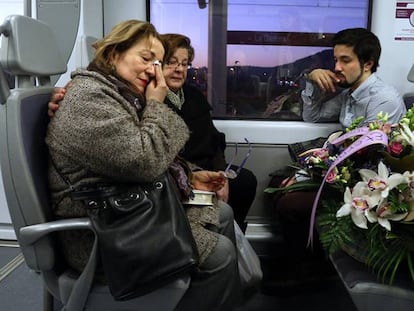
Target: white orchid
332	138
381	181
359	204
384	215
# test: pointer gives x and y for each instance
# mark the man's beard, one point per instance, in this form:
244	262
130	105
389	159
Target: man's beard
345	84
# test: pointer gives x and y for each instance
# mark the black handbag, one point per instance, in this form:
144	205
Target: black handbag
144	237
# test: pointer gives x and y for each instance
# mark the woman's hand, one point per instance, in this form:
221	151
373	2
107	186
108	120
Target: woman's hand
157	88
208	180
223	193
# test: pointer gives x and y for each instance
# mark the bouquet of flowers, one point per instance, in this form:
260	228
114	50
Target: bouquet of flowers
365	200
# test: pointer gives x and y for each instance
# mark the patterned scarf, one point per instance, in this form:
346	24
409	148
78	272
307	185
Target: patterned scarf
179	168
177	99
180	172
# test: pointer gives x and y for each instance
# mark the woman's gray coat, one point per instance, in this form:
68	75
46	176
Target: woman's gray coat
97	136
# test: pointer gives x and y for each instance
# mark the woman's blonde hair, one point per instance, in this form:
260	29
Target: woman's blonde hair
122	37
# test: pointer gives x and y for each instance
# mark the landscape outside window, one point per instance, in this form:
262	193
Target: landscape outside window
270	43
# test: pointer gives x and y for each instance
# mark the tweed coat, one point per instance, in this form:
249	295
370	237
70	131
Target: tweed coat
97	136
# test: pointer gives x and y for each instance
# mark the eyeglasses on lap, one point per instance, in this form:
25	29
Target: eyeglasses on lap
230	173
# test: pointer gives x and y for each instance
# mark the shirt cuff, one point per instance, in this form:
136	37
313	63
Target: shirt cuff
302	175
309	88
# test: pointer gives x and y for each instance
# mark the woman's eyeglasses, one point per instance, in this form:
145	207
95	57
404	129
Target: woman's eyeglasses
230	173
173	63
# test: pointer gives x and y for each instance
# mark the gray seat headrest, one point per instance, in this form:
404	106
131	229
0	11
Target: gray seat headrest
28	47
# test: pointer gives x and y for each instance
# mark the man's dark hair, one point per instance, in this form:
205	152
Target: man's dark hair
365	44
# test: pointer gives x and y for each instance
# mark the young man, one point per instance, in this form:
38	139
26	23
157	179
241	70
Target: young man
356	52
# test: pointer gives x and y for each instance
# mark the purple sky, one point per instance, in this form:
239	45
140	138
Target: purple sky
185	17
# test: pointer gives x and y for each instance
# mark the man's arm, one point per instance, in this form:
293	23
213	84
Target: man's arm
325	79
320	100
387	101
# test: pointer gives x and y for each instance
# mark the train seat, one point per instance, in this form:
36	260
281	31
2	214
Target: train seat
367	293
30	53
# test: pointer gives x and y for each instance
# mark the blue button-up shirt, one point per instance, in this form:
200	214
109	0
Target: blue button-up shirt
370	98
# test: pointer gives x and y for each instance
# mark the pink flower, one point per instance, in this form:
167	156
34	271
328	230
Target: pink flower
321	153
387	128
396	148
331	178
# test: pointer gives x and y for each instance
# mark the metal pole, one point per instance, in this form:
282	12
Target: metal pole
217	55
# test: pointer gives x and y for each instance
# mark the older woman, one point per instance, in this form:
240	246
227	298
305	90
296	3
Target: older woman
206	144
112	126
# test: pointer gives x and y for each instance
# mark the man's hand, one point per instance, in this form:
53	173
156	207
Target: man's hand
208	180
325	79
53	104
288	181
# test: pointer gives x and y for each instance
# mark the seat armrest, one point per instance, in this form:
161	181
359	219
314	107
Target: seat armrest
31	234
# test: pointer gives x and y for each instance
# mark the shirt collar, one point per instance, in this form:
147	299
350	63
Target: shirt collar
363	90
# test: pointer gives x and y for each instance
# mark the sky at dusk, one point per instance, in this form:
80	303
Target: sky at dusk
320	16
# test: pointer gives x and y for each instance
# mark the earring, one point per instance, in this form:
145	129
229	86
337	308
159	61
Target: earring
113	69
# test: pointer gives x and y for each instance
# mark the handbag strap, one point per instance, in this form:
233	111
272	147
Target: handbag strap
63	177
80	290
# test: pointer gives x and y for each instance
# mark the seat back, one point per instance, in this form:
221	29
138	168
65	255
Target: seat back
367	293
23	123
86	51
408	100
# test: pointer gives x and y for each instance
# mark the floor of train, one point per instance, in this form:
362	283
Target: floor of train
311	285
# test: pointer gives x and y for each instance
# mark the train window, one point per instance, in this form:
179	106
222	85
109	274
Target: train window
249	56
9	7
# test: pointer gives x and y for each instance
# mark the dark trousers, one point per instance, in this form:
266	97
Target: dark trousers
242	191
294	212
216	286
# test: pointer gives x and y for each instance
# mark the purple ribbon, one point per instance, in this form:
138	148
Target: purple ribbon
356	132
367	138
